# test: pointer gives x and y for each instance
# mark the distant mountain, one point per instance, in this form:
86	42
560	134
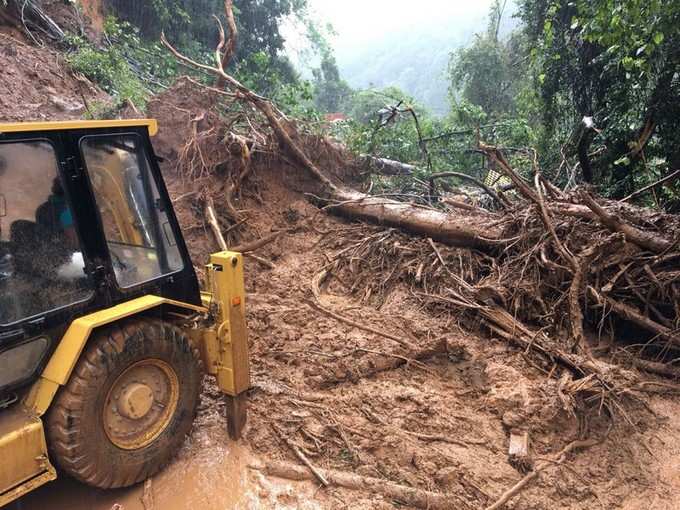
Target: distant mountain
413	58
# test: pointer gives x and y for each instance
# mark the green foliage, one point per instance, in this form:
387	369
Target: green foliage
617	62
483	74
188	22
293	95
108	68
126	67
365	105
259	61
632	32
491	95
368	110
259	24
403	139
146	58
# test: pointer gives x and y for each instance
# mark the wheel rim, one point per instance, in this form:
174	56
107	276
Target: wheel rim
140	404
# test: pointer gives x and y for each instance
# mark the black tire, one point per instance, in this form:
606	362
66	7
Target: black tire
76	431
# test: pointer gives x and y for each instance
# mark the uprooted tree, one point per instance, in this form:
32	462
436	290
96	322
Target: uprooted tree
551	272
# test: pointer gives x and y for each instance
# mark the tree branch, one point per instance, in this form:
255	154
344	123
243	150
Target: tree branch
639	192
646	240
489	191
230	49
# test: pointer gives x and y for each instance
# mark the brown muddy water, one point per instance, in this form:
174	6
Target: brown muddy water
210	473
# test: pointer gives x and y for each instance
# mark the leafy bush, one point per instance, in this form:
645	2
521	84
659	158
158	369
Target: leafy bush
108	67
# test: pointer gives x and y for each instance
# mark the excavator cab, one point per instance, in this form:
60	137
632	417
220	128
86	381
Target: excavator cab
105	333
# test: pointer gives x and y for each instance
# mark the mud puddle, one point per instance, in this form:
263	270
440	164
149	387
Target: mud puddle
210	473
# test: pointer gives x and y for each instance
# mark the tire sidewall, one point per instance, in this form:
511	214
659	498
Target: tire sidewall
130	344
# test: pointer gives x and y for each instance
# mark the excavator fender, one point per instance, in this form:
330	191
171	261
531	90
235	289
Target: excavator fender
65	357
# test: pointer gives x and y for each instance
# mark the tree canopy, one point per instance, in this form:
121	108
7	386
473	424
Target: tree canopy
593	85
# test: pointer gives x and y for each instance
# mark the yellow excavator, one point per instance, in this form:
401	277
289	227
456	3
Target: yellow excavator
105	334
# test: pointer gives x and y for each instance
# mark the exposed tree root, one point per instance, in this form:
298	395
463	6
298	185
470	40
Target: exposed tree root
647	240
629	313
654	367
409	496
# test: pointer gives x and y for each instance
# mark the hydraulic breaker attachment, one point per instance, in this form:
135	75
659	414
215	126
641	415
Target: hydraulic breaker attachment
225	344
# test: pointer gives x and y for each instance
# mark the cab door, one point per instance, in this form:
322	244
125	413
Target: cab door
134	218
44	280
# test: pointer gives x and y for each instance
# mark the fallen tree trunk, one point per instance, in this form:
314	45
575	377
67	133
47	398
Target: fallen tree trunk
447	228
452	229
408	496
384	166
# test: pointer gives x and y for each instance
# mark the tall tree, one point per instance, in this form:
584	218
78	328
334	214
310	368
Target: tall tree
483	73
332	93
617	63
186	22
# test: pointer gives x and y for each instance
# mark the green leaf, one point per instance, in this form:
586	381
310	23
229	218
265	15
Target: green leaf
658	38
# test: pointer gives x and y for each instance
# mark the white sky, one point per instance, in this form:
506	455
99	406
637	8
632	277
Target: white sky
361	21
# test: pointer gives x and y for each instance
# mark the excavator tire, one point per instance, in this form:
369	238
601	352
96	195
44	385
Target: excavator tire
128	406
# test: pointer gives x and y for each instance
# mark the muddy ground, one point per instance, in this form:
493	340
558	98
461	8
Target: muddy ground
343	394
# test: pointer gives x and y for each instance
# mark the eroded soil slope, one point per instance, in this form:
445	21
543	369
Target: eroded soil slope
36	84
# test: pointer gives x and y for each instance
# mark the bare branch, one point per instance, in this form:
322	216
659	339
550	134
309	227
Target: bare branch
668	178
489	191
230	49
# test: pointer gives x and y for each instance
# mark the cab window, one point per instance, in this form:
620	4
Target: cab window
41	262
141	242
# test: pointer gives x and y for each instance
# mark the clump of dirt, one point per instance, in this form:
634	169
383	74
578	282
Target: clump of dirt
185	115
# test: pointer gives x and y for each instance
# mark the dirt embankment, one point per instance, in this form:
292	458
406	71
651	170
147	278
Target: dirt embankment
36	84
351	399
